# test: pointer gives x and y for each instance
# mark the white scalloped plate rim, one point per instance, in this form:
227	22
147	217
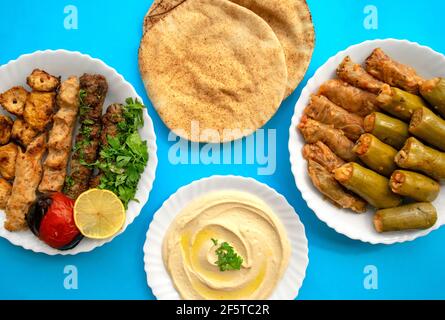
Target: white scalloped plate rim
359	227
158	278
50	60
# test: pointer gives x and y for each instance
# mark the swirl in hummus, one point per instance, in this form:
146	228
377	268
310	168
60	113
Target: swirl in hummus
248	225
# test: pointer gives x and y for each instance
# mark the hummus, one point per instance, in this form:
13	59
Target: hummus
248	225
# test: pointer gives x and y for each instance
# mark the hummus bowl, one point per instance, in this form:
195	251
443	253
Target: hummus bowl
259	199
428	64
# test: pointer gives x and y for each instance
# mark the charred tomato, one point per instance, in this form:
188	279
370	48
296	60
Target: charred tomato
51	219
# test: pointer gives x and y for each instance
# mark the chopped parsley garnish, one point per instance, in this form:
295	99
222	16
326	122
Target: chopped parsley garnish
83	108
88	122
228	259
86	130
123	160
69	182
82	95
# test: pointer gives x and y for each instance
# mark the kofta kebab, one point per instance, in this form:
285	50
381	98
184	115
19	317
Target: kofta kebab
376	135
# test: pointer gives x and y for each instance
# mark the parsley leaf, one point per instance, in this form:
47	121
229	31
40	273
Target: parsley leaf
69	181
228	259
82	95
83	107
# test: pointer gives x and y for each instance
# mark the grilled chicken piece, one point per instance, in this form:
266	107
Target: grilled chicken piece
23	133
110	119
60	137
40	80
39	109
8	156
5	129
5	193
14	100
27	178
93	89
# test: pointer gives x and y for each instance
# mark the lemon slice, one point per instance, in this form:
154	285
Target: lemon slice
99	214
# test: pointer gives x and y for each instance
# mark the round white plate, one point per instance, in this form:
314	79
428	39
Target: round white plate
157	276
428	64
67	63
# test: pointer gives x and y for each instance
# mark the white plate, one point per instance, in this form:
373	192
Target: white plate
428	64
67	63
157	276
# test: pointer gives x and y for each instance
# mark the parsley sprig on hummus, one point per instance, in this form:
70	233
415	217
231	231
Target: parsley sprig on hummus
228	259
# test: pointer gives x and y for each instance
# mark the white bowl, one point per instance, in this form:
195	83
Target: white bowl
67	63
428	64
157	276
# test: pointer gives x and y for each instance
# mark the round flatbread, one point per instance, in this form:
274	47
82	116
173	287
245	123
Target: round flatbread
214	71
290	20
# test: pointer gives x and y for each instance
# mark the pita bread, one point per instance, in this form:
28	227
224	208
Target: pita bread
212	64
158	10
291	21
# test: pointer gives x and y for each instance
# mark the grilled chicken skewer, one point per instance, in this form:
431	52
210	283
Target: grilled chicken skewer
28	173
93	89
5	192
60	137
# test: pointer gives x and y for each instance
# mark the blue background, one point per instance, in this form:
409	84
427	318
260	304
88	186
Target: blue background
111	30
